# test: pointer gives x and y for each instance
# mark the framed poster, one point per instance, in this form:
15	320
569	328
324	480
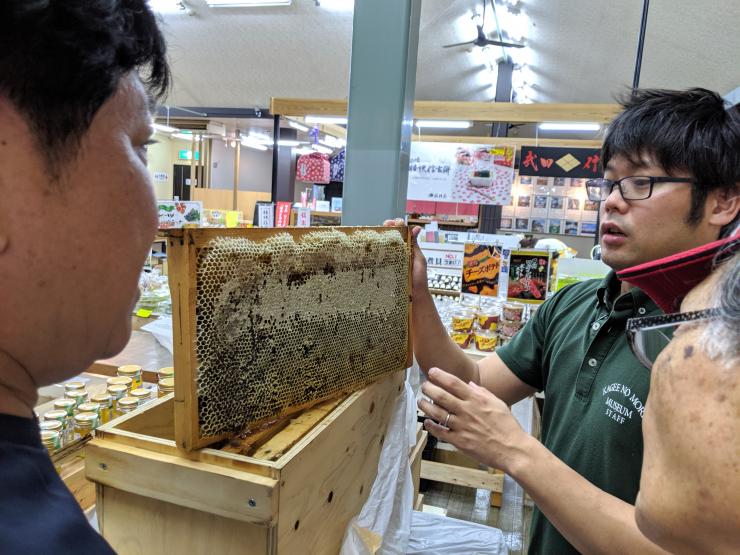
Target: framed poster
539	225
481	269
177	213
529	275
521	224
571	227
557	207
465	174
555	227
588	229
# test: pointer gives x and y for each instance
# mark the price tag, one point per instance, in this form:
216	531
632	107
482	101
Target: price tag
143	313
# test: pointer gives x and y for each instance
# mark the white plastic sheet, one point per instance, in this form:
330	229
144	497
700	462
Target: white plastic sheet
161	329
440	535
384	524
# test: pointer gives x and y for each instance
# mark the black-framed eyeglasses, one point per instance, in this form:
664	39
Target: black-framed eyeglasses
649	335
635	187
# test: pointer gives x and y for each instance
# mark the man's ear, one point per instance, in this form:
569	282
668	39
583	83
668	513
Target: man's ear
725	206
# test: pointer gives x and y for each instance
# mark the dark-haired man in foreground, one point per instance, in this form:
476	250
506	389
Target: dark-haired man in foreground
74	124
657	199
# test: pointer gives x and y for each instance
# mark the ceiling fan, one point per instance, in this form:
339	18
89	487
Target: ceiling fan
482	40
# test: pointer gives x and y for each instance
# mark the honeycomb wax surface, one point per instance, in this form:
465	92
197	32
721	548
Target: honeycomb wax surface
282	322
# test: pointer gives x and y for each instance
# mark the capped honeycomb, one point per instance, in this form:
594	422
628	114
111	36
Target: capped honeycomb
285	321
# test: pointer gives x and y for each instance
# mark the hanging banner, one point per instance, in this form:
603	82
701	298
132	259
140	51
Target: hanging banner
282	214
177	213
529	274
481	269
464	174
560	162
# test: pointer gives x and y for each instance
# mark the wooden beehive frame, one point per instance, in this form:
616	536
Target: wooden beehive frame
184	246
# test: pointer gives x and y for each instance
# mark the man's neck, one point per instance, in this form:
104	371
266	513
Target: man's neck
625	287
18	392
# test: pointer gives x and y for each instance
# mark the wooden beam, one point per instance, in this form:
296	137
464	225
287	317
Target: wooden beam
475	111
516	142
460	476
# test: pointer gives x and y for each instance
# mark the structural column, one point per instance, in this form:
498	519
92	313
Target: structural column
382	84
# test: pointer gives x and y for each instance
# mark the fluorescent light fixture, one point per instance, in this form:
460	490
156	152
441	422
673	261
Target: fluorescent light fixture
260	138
298	126
288	143
164	128
322	149
303	150
332	142
326	120
166	6
562	126
246	3
443	124
185	136
252	144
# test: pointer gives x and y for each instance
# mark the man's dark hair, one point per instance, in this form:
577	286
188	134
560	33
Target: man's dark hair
691	131
61	60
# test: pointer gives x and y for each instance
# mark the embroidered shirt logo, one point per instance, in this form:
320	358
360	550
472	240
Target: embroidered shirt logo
625	406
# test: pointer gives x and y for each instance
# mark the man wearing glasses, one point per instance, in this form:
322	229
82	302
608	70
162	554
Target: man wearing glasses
670	184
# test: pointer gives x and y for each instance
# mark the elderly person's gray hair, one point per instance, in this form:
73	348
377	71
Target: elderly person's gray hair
722	335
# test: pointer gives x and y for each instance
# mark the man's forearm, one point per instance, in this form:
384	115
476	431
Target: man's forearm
433	346
589	518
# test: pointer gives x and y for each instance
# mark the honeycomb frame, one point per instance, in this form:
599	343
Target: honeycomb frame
236	293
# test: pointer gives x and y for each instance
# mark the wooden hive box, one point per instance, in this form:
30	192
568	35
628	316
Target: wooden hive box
153	498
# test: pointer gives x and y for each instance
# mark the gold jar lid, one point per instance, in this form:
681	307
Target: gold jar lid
53	425
128	403
50	438
166	372
129	370
66	404
167	384
89	407
60	415
71	386
120	380
86	419
79	395
117	391
105	400
141	393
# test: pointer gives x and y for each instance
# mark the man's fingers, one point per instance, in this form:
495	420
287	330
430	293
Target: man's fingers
437	430
432	411
448	382
441	397
394	223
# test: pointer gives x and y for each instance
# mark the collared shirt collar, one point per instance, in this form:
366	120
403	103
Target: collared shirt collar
610	290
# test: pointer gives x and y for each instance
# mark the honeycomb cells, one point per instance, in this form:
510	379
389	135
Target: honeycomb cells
282	322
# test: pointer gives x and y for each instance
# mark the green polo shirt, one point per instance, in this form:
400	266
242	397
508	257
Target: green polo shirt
576	350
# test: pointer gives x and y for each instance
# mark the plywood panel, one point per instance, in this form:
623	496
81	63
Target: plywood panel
315	507
474	111
137	525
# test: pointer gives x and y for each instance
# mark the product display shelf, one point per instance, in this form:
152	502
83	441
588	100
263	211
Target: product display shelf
312	476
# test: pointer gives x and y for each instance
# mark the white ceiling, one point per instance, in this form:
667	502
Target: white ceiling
579	50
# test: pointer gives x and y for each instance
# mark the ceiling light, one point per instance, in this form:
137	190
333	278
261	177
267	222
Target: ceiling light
332	142
288	143
561	126
443	124
303	150
261	138
298	126
185	136
164	128
326	120
252	144
246	3
322	149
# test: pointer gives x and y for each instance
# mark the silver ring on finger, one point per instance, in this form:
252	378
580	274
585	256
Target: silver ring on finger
447	420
